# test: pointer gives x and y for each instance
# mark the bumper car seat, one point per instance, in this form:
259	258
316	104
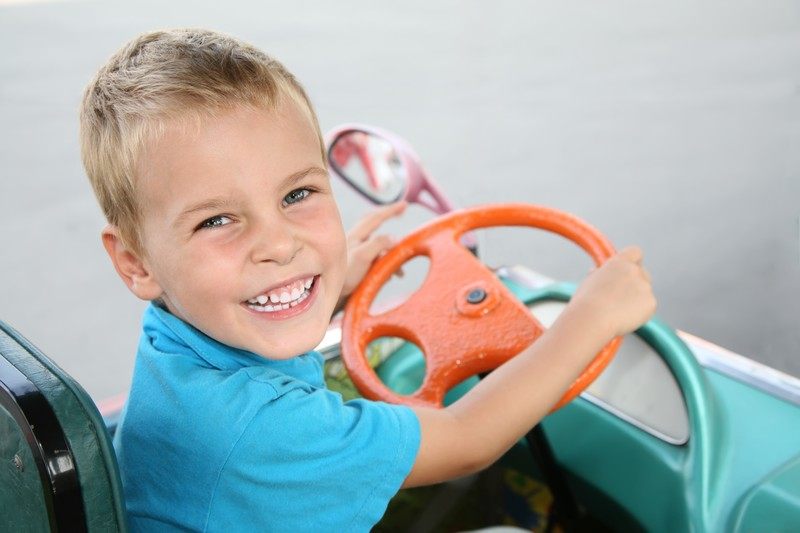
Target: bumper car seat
58	471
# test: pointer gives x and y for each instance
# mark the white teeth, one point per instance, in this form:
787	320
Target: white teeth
284	300
279	307
302	297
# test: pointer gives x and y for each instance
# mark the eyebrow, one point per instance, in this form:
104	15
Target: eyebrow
205	205
219	203
291	179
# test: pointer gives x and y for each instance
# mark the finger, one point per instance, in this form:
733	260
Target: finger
364	228
632	253
647	276
368	250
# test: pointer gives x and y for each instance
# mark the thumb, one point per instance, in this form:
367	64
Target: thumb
632	253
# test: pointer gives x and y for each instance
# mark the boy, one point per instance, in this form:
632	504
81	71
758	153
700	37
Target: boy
206	157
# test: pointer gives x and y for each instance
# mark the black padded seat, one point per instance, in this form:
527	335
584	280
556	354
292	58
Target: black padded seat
58	471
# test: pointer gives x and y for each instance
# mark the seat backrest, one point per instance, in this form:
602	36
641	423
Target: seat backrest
58	471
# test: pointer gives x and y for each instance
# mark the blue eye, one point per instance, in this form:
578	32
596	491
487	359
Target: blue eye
297	195
215	222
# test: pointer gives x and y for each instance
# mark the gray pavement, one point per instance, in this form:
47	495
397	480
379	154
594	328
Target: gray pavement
674	125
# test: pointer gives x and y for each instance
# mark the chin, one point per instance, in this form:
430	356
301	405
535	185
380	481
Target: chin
306	331
287	351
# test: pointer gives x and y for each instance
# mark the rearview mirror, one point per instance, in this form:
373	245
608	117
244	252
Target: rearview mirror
370	164
384	168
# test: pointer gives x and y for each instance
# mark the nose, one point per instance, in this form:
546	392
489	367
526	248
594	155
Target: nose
275	240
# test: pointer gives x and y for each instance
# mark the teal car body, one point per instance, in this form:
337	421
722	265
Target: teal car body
736	467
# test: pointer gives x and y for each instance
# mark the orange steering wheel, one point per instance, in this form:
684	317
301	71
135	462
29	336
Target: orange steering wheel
464	320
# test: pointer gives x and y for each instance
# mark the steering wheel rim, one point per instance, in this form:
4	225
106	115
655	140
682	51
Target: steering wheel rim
447	317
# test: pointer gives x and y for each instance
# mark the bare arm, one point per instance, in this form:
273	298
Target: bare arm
475	431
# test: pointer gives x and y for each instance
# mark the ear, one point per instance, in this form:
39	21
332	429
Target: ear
134	271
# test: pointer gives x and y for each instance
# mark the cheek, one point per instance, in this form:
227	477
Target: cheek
195	273
336	241
341	254
323	226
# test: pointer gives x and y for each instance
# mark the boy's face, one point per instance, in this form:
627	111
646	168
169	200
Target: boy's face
240	231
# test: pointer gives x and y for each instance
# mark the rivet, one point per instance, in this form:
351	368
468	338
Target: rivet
476	296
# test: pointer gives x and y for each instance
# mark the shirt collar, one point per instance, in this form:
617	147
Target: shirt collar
169	334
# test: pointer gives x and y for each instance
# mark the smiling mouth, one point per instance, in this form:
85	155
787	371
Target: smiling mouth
282	298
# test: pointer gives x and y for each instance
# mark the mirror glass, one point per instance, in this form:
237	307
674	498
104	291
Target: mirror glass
370	164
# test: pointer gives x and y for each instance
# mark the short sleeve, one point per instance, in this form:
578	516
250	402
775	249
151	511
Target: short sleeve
309	461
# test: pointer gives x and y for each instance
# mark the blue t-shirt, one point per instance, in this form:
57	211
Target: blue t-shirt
218	439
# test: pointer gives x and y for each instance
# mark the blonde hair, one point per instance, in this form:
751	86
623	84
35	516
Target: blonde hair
162	76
